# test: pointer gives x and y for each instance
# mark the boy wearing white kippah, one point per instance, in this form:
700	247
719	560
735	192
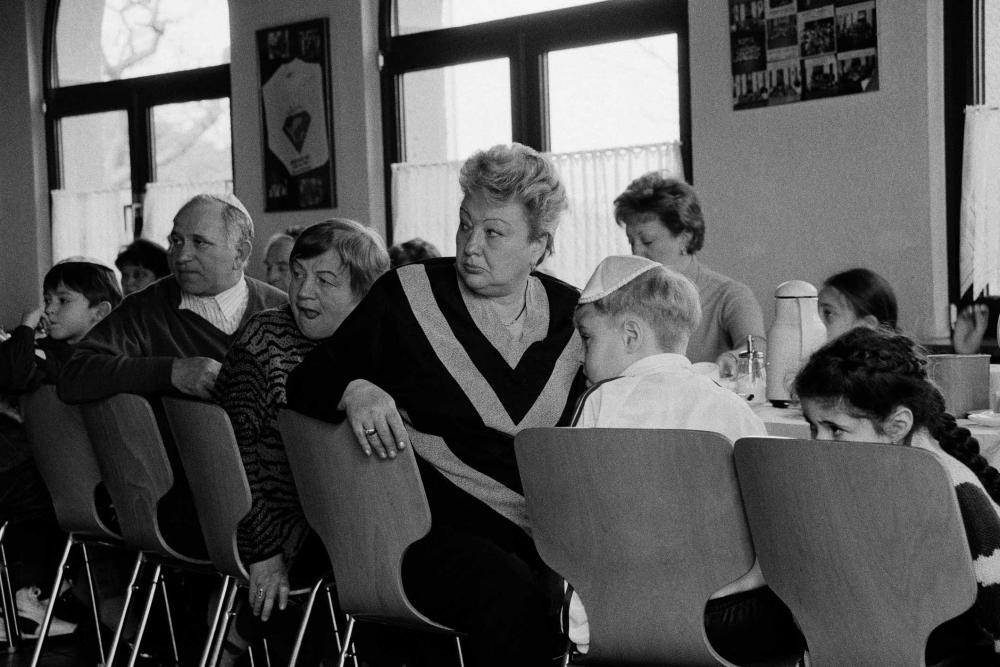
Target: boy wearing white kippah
636	317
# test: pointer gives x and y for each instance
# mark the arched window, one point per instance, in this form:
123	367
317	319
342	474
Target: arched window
137	113
604	86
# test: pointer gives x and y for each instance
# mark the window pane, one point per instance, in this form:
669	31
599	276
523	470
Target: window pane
193	142
451	112
419	15
104	40
617	94
95	152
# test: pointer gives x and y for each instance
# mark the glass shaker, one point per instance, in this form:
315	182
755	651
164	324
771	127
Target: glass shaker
751	376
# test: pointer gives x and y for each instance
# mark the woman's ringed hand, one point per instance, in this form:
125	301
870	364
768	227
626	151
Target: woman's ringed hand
374	418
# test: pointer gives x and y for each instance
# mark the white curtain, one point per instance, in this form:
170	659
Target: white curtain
979	236
90	224
426	197
162	201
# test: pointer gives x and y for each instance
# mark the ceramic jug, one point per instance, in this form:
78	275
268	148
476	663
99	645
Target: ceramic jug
797	332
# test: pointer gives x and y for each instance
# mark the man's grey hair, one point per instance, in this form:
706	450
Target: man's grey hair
235	217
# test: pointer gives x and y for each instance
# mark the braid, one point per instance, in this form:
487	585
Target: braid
876	371
959	443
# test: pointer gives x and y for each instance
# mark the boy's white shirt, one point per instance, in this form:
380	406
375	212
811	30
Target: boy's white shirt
664	391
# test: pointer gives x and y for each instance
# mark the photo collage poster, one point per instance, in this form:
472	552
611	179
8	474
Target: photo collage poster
791	50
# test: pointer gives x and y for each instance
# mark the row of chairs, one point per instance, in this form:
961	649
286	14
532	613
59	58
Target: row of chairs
863	542
117	442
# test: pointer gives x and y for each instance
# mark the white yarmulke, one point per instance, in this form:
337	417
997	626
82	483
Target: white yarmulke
613	273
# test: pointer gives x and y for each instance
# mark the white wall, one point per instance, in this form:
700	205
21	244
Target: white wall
357	132
808	189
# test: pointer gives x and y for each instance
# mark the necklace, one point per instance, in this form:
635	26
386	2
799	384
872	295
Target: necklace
524	307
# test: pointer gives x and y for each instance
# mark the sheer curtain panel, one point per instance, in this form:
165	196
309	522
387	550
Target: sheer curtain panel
979	236
426	197
91	224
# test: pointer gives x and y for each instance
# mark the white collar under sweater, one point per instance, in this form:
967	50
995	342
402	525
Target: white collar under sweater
224	310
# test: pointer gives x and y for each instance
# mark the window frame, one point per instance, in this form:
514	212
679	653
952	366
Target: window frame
136	96
958	93
525	41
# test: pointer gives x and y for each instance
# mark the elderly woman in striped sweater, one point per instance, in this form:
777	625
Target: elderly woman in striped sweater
332	266
471	349
870	385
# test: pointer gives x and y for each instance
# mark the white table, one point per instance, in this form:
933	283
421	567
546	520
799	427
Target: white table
789	423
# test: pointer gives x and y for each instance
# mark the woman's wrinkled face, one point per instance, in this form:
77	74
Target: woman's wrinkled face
320	294
833	421
650	238
494	252
836	312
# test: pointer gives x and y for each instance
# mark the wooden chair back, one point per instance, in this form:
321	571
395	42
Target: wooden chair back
645	525
134	466
66	460
212	463
367	512
863	542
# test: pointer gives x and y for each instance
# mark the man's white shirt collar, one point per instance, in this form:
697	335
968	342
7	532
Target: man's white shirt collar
224	310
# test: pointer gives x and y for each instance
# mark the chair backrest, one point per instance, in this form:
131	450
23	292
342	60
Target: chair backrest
645	524
214	469
134	466
367	512
863	542
66	460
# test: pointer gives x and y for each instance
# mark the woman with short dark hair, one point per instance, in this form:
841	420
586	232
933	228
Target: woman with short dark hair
663	221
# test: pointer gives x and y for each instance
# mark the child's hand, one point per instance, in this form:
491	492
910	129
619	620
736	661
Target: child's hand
31	318
970	327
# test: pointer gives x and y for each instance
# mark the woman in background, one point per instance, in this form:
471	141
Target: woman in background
663	221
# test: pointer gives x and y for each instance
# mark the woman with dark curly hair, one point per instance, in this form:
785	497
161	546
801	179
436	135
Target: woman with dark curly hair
663	221
871	385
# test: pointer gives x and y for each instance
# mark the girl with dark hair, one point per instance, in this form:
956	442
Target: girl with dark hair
856	298
871	385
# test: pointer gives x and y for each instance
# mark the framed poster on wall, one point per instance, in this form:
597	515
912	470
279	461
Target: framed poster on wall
791	50
296	116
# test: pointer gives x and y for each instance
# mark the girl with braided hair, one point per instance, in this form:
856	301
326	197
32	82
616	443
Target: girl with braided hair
871	385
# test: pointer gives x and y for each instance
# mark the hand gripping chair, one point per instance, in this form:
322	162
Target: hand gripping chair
65	458
214	468
365	540
645	525
863	542
137	474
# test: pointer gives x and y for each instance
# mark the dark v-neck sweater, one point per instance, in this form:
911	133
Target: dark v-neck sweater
132	349
414	337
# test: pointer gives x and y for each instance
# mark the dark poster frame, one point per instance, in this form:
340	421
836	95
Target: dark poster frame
292	88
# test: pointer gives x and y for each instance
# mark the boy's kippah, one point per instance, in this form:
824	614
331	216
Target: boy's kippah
613	273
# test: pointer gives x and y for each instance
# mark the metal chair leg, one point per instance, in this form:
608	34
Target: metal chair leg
458	646
217	618
267	653
347	640
170	620
93	601
147	607
43	630
306	613
140	559
220	639
8	600
567	654
353	652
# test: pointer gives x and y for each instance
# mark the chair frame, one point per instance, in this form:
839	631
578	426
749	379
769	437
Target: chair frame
137	473
66	460
645	524
213	464
8	603
864	542
332	473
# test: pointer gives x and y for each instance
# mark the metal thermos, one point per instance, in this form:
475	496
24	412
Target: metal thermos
797	332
